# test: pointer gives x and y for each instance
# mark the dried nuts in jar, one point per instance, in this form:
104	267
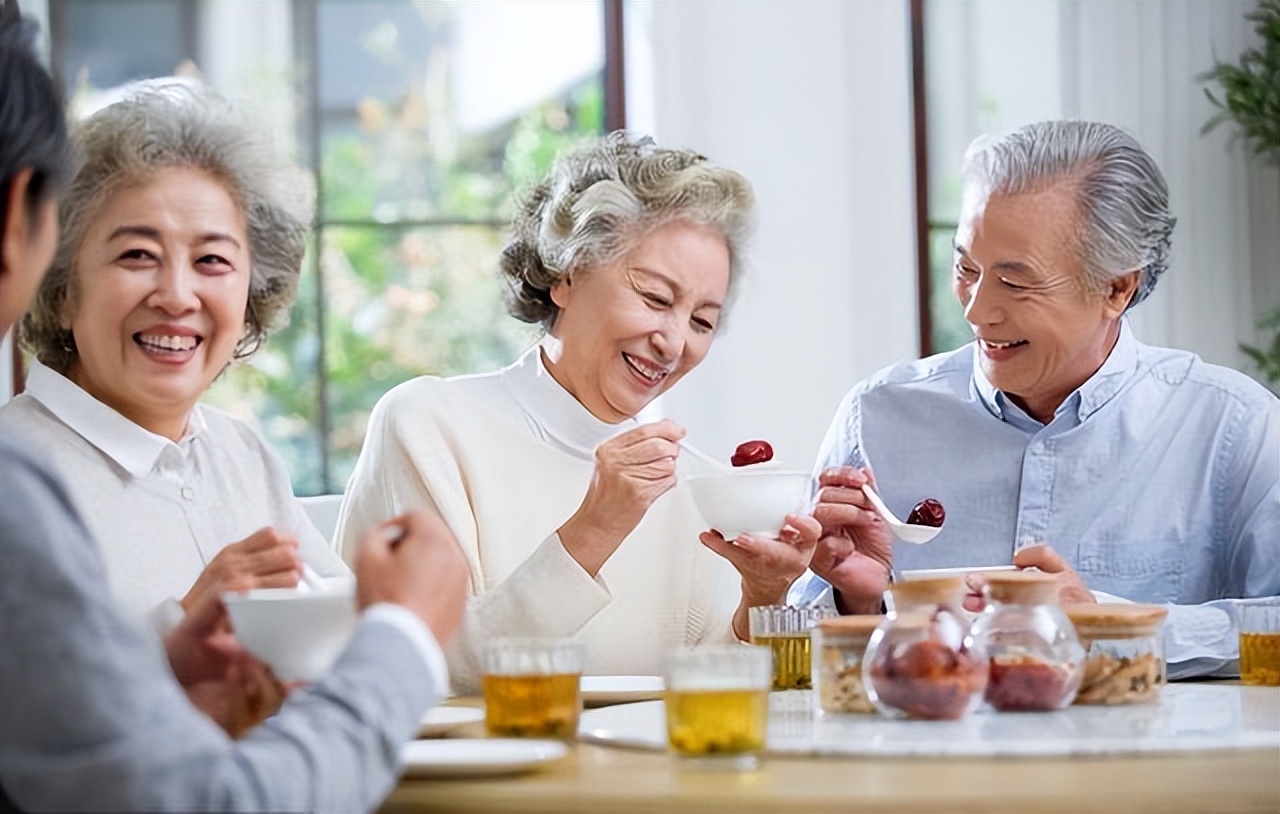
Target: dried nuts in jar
839	645
1124	663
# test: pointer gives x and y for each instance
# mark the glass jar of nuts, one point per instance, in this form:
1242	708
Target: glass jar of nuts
922	661
838	647
1036	661
1124	661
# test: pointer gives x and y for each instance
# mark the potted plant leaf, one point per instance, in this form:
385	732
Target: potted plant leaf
1247	93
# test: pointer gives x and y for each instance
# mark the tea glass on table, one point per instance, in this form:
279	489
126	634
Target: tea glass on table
717	704
532	688
785	631
1260	644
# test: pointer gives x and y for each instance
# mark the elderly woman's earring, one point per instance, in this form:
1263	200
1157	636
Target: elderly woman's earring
69	342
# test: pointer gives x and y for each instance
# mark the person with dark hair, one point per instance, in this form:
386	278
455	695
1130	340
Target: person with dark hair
93	713
1057	440
570	504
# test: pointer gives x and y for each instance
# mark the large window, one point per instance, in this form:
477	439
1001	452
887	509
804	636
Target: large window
419	120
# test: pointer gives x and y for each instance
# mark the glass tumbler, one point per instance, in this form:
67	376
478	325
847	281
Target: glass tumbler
717	704
785	631
1260	645
532	688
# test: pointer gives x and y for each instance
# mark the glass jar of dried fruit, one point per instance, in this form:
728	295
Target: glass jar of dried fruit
839	644
1124	652
922	661
1036	661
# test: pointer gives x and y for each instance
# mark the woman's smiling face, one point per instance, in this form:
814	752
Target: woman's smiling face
159	293
629	331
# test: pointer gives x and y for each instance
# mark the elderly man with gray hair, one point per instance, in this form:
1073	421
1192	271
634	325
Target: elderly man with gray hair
1056	439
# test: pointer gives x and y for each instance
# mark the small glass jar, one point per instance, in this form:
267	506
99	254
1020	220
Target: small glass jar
785	631
1035	659
1124	652
922	661
838	647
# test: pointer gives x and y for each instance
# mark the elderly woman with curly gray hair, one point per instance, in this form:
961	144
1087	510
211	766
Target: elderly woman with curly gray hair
565	498
181	242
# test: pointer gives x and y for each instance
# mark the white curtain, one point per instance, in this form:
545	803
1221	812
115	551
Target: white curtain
1135	64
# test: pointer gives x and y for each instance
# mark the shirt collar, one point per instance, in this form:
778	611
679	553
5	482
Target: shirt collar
135	449
1087	399
557	415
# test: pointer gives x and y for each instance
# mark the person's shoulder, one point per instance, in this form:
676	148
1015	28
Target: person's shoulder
1186	371
439	393
949	371
26	481
25	411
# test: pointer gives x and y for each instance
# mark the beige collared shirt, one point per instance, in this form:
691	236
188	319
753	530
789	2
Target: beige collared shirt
160	510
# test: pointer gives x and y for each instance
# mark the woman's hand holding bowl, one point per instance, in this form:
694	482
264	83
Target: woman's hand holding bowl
268	558
632	470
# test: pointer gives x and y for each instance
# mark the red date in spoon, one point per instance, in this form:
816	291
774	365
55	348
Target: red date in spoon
752	452
927	512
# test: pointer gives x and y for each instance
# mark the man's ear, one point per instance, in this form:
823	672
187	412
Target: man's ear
15	240
1121	290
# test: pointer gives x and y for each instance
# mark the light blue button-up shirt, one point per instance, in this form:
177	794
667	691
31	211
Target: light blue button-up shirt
1158	480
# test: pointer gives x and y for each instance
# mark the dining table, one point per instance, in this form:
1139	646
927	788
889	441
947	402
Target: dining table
601	773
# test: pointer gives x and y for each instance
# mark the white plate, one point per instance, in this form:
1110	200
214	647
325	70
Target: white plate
922	573
439	721
463	757
599	691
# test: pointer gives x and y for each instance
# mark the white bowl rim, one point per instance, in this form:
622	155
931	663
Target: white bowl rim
747	472
287	595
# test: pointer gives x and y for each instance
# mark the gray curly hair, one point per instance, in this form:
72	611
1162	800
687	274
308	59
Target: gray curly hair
1120	192
158	125
600	200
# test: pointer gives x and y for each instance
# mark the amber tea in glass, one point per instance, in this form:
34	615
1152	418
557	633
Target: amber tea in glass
785	631
717	704
532	688
1260	645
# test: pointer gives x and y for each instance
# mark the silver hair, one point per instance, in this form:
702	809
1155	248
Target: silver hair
164	124
600	200
1121	195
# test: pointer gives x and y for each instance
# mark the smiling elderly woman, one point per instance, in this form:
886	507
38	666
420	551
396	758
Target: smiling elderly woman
1057	439
181	241
568	504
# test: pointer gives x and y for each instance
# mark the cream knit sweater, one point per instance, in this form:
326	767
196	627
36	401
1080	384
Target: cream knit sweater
505	458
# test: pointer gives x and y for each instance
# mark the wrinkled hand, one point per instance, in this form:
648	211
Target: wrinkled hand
1070	587
268	558
855	553
424	570
222	680
632	470
768	567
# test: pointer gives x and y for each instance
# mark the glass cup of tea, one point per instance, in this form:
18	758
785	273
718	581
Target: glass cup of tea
1260	644
785	631
717	703
532	688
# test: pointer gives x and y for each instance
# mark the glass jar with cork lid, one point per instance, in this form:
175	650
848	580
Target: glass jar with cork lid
839	644
922	662
1124	651
1036	661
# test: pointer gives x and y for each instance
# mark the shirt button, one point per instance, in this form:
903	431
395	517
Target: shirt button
1028	541
188	492
1037	447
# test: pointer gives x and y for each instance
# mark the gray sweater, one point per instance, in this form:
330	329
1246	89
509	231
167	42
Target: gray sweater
91	718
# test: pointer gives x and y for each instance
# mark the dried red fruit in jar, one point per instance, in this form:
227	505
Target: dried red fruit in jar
926	680
752	452
1023	683
927	512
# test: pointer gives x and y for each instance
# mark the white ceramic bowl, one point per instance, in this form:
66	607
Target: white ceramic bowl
298	633
750	499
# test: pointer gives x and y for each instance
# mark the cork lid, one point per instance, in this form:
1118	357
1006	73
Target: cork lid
1022	588
913	593
859	626
1114	621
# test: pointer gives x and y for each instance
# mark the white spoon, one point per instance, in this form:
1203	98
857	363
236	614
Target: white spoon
906	532
712	464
